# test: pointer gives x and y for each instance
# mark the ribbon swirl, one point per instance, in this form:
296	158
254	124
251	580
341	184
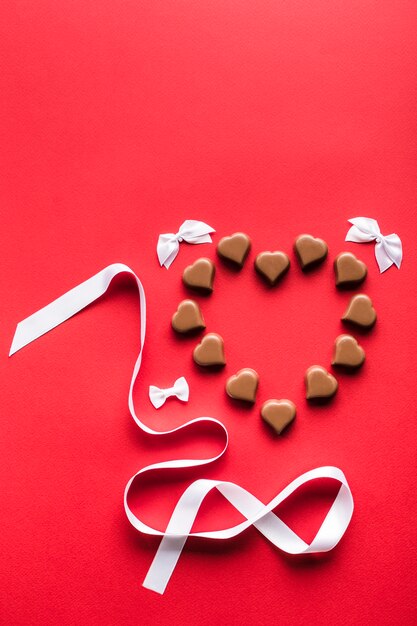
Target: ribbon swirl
191	231
187	507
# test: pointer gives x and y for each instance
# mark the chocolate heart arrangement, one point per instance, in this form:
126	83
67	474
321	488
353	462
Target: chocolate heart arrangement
243	386
321	385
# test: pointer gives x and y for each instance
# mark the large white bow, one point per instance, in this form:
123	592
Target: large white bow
191	231
180	389
388	248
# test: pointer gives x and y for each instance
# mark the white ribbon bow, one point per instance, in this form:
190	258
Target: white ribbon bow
388	248
191	231
180	389
182	519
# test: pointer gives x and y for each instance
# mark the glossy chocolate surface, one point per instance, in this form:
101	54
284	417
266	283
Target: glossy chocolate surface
272	266
188	317
360	311
310	251
320	384
243	385
200	275
347	352
278	414
349	270
210	351
234	248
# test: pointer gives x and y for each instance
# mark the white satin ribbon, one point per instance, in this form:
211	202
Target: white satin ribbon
187	507
180	389
191	231
388	248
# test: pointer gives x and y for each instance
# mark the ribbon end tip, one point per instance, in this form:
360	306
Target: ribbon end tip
152	587
14	347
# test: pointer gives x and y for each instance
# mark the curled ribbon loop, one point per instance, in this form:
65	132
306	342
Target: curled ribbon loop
191	231
180	389
188	505
388	248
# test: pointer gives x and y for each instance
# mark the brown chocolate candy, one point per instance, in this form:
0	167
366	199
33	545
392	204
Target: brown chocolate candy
347	352
319	383
310	251
278	414
200	275
234	248
188	317
210	351
243	385
349	270
272	266
360	311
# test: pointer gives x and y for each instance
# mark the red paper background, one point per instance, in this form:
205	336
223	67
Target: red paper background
119	120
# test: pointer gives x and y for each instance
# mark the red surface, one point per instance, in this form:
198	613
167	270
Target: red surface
119	120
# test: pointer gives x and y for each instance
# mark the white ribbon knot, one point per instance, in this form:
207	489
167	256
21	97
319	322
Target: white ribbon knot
180	389
388	248
180	525
191	231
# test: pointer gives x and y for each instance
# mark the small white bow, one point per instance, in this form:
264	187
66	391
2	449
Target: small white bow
388	248
180	389
191	231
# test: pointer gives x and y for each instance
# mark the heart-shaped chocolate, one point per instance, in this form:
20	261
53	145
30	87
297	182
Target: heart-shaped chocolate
278	414
188	317
319	383
272	266
310	251
349	270
234	248
200	275
347	352
360	311
243	385
210	351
